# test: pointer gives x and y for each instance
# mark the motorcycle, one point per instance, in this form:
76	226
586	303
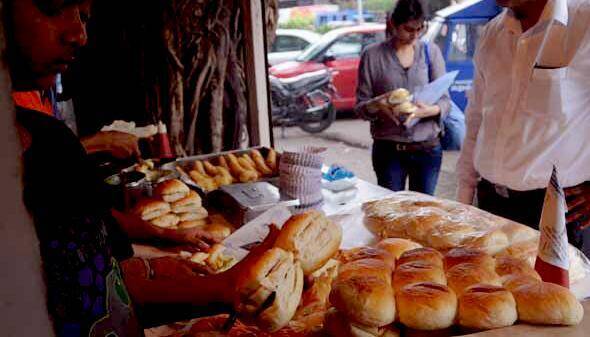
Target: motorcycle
304	101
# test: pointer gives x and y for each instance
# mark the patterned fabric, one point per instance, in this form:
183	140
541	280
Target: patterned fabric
79	241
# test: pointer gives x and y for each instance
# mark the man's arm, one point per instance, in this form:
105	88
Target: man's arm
364	89
467	175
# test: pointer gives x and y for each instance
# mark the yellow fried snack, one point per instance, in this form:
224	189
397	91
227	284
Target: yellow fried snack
210	169
205	182
261	166
223	162
245	163
271	160
198	165
223	177
237	170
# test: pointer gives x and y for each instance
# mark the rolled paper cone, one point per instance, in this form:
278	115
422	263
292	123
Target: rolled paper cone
552	262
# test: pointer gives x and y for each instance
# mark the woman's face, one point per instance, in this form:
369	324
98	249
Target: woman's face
409	32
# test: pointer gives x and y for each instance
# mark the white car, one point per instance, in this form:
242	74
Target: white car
289	43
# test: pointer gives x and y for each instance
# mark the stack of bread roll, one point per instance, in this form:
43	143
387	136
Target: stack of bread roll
245	168
175	206
271	288
429	293
401	100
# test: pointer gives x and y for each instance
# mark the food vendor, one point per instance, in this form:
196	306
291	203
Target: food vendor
529	110
82	249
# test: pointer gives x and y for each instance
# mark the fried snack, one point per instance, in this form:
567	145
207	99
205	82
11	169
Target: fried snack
487	307
224	177
261	165
210	169
547	303
248	158
205	182
238	171
312	237
244	161
223	163
271	160
198	165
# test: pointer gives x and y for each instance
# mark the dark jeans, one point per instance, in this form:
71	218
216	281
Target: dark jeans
393	167
526	208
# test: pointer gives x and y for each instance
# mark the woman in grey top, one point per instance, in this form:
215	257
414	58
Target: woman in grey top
402	150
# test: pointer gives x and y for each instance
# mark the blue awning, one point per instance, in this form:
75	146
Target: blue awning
471	9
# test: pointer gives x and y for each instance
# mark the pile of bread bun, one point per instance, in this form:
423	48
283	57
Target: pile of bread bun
175	206
213	261
399	285
271	289
232	168
401	99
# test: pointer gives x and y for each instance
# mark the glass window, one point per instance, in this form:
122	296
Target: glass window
464	38
285	43
348	46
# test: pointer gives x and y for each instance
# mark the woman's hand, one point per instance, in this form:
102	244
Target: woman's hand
423	111
119	144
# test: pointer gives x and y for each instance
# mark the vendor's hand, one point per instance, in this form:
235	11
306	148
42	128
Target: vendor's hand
136	228
423	111
578	204
119	144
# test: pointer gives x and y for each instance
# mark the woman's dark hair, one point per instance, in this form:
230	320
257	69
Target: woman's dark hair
409	10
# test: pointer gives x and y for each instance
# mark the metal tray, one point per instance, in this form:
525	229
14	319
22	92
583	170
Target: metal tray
186	164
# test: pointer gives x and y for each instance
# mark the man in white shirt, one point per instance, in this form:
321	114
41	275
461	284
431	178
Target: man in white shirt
529	110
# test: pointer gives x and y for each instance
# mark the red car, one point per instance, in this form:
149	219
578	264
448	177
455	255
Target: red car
339	50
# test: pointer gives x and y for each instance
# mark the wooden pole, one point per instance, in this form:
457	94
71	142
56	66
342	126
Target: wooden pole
22	299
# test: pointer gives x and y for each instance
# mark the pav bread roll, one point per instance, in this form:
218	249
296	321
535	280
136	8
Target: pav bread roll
425	254
460	255
166	221
192	224
417	272
337	325
219	230
270	288
200	214
464	275
510	266
406	108
172	190
396	247
547	303
518	233
191	203
312	237
372	267
149	209
512	282
399	96
486	307
364	299
361	253
446	235
491	243
426	306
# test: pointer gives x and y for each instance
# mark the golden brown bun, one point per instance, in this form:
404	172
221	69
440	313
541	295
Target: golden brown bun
192	224
406	108
172	190
362	253
518	233
547	303
468	255
372	267
487	307
191	203
219	230
417	272
464	275
166	221
398	96
396	247
506	266
512	282
446	235
312	237
149	209
427	306
363	297
429	255
337	325
200	214
491	243
275	272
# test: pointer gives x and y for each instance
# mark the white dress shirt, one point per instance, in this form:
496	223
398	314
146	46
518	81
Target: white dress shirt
529	108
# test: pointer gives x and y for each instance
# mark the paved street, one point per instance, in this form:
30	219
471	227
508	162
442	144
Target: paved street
349	144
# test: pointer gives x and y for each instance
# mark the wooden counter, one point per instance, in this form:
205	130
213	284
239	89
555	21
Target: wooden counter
523	330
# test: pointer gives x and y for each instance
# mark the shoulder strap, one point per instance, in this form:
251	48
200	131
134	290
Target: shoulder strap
427	59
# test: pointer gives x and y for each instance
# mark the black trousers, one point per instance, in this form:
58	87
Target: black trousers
525	208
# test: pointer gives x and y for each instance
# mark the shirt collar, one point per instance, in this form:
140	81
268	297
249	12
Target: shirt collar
556	10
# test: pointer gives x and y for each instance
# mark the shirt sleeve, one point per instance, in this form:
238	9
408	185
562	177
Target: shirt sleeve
467	175
439	69
364	90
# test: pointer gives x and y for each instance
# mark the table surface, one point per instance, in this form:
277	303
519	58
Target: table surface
338	202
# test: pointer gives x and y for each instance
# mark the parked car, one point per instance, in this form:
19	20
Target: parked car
339	51
289	43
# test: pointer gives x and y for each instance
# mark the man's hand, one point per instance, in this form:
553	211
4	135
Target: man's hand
578	205
423	111
119	144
